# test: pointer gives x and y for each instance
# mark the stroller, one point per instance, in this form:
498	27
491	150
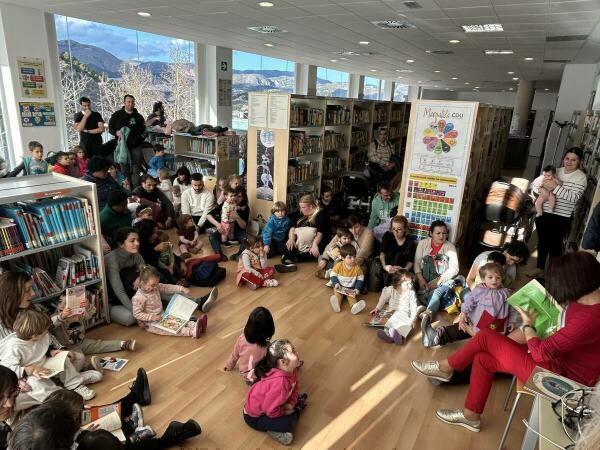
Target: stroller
356	194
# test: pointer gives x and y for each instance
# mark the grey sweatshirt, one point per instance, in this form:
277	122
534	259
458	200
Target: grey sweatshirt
114	262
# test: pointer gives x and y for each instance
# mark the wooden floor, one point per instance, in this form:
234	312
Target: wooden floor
362	392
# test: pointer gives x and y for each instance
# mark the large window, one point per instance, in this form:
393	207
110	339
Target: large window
332	83
3	136
373	88
400	92
105	62
252	73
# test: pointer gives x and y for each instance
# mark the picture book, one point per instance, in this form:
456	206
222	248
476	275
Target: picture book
178	313
533	297
110	422
380	318
76	301
113	364
92	413
56	364
346	291
549	385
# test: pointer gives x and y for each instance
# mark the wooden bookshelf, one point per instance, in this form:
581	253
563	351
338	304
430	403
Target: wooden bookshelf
37	187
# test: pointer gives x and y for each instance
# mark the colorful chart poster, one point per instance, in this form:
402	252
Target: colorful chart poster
265	156
32	77
37	114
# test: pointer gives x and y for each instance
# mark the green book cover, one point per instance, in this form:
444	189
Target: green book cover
533	298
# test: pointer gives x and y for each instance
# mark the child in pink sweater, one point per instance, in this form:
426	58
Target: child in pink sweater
148	309
272	403
252	269
252	345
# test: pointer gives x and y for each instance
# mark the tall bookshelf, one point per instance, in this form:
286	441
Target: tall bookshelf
38	187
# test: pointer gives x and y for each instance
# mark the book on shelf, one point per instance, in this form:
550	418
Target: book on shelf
332	163
302	171
533	298
110	422
359	137
303	116
379	115
177	314
301	144
337	115
10	241
334	140
42	284
197	166
360	116
113	364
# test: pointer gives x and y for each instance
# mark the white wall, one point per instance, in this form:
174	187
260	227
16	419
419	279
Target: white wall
26	32
212	64
541	100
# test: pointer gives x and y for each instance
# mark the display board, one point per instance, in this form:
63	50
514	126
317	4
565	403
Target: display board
437	156
37	114
32	77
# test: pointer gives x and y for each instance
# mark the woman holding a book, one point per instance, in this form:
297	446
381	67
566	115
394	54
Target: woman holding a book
573	351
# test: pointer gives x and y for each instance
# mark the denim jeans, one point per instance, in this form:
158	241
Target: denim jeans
435	297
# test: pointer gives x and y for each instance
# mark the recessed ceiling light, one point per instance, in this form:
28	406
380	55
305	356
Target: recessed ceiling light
546	89
455	78
344	59
528	58
265	4
483	28
498	52
510	73
515	79
476	87
451	90
410	61
144	14
419	81
364	42
268	45
333	60
510	89
437	71
467	82
454	41
399	76
404	70
373	70
436	85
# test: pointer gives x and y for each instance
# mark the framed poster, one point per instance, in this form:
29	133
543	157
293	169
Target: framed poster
265	156
437	157
224	92
37	114
32	77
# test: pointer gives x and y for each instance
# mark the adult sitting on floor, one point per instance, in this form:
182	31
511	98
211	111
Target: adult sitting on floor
382	204
308	237
165	213
573	351
198	202
363	237
398	249
97	173
516	254
240	217
115	214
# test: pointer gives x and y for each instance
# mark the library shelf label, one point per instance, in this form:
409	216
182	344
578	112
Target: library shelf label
54	193
258	110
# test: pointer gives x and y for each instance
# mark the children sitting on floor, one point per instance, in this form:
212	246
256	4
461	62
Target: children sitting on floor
272	403
166	260
251	346
252	269
219	191
34	164
63	164
27	350
347	278
148	309
400	298
331	255
275	232
81	160
189	238
485	307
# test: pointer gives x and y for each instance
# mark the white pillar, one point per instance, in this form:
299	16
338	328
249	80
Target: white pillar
356	86
29	33
414	93
312	80
213	85
388	90
576	86
523	103
200	85
301	79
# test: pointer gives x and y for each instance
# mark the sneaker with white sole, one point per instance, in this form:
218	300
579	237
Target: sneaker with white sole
91	376
457	417
282	438
128	345
335	304
271	283
358	307
142	434
329	284
85	392
136	419
212	298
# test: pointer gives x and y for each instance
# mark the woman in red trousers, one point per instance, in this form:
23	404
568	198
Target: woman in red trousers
573	351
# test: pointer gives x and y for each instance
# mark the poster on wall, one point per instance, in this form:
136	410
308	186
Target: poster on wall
265	155
32	77
439	154
37	114
224	92
257	110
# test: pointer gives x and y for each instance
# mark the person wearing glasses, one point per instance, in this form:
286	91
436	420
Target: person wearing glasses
398	249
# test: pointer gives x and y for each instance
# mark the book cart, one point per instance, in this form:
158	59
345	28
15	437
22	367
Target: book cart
298	143
76	232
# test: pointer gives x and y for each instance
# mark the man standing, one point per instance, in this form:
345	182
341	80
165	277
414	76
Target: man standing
129	117
198	202
90	126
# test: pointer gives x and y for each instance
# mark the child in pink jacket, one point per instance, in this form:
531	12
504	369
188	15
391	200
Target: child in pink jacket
252	345
148	309
272	403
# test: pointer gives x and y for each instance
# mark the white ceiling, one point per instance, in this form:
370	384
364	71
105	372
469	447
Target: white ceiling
316	29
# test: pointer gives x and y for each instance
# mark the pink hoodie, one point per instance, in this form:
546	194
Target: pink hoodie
271	392
247	356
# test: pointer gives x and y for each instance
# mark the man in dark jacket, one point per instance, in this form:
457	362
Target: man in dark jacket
148	191
129	117
115	214
98	173
591	237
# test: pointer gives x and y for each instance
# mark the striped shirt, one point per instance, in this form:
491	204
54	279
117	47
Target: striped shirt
568	194
352	278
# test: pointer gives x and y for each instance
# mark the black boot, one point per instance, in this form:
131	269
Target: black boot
141	387
178	432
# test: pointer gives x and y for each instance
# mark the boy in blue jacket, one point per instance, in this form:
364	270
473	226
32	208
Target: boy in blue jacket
157	162
275	232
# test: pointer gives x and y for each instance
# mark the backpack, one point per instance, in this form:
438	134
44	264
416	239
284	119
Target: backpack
375	276
205	271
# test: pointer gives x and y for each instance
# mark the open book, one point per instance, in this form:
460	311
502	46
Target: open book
533	298
346	291
110	422
550	385
56	364
177	314
380	318
76	300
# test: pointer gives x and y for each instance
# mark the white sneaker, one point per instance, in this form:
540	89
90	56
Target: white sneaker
329	284
85	392
91	376
358	307
271	283
335	304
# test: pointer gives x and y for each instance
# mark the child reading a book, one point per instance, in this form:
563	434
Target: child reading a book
148	309
544	195
189	239
164	183
252	269
272	403
219	192
142	212
227	221
347	278
332	255
157	162
63	164
275	232
26	352
34	164
81	160
485	307
401	300
251	346
166	259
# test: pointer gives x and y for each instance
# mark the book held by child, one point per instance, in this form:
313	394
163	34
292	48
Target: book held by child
177	314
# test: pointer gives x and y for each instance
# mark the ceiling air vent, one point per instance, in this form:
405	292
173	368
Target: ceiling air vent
346	53
266	29
393	24
412	5
575	37
440	52
557	61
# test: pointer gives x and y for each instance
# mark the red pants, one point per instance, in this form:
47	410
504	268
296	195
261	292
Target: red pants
267	273
490	352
